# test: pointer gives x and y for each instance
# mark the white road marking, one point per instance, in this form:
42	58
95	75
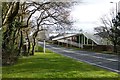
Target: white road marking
93	63
91	55
90	62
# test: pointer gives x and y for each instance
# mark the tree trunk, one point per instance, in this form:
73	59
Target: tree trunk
7	45
34	43
33	46
20	43
28	48
115	48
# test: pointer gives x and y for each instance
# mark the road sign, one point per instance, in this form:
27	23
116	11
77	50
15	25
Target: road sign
43	35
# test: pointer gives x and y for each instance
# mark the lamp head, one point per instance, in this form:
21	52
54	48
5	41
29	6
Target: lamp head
111	2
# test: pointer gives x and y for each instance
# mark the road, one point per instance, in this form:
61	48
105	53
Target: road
106	61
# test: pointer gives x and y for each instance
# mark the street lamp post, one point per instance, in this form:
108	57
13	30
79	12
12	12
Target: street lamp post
116	6
115	22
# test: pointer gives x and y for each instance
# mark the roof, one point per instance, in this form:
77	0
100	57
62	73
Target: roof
63	36
97	39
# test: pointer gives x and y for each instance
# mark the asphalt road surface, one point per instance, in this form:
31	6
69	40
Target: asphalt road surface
106	61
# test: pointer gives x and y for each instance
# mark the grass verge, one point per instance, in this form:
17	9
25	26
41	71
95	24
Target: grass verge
54	66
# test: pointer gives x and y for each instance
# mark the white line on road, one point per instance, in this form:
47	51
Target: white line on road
90	62
93	63
88	55
91	56
87	61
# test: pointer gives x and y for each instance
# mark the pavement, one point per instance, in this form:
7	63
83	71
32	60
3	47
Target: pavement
106	61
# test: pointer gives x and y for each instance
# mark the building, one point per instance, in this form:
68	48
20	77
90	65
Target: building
82	40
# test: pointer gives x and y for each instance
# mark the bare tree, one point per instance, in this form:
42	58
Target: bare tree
109	29
17	16
51	14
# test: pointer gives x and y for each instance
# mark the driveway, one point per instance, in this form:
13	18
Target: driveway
106	61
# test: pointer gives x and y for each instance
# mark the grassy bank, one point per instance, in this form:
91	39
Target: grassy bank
51	65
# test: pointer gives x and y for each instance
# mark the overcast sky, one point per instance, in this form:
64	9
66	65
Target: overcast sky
87	14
